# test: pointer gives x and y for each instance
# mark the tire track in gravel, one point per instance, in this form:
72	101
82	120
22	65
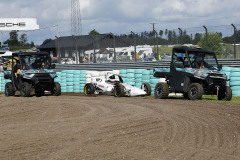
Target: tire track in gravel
103	127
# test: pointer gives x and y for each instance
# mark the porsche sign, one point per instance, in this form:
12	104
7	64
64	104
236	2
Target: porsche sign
9	24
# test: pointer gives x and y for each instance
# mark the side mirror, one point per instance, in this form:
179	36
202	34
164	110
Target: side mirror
220	66
52	66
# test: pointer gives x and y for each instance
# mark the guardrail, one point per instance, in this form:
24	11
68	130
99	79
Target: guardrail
132	65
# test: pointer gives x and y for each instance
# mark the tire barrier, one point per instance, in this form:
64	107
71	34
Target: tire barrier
234	76
75	80
3	82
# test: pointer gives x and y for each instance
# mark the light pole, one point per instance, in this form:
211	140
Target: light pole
235	37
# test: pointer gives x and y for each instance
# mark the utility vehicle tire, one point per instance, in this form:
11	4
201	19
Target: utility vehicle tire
39	93
147	88
25	89
195	91
9	89
118	90
161	90
89	89
56	91
225	95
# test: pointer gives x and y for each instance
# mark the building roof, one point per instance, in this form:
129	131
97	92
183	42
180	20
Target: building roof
69	41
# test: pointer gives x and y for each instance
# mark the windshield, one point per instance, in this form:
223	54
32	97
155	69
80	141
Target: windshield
120	53
35	62
203	60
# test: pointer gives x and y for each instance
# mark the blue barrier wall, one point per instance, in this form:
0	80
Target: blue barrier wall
74	80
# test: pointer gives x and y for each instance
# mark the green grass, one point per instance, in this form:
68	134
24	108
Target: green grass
212	98
165	49
235	100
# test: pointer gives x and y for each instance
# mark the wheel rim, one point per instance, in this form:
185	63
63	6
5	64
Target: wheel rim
54	89
193	91
23	90
145	88
87	90
159	90
6	91
117	91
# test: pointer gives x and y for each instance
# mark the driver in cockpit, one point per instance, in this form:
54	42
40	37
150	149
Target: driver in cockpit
111	78
199	62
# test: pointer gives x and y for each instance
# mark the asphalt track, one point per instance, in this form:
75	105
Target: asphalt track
105	127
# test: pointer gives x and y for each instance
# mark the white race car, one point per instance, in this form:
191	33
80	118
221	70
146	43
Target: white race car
113	85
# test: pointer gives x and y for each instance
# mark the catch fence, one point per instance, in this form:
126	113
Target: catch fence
133	65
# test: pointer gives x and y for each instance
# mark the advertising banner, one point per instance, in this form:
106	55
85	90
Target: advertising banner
18	24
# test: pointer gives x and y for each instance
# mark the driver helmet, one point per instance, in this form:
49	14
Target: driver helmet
197	58
112	78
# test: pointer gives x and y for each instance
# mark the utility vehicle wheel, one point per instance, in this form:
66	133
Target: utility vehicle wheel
118	90
161	90
56	91
225	95
89	89
39	93
9	89
25	89
147	88
195	91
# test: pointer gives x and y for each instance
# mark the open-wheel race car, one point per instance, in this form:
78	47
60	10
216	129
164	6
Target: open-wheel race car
113	84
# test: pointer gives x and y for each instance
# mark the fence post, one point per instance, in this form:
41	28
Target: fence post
180	30
135	49
206	36
114	47
156	38
235	39
76	54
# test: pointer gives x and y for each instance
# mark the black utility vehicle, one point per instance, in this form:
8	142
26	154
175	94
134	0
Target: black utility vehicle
31	72
193	72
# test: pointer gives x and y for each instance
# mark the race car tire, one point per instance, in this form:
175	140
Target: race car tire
195	91
138	71
123	71
56	91
116	72
147	88
9	89
89	89
225	95
25	89
161	90
118	90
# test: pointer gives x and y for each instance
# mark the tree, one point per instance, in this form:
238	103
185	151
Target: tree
170	37
46	41
13	40
166	32
93	32
23	39
214	43
161	33
197	38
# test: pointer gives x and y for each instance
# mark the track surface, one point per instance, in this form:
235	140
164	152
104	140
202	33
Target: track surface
103	127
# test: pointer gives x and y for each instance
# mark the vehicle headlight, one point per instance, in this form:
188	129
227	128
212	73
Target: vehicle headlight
28	75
